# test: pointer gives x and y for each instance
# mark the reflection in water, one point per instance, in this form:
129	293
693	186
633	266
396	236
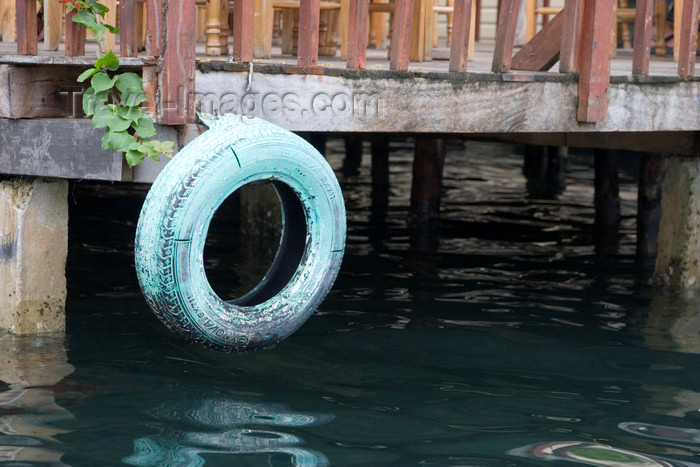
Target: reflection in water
673	323
592	454
664	433
31	366
233	421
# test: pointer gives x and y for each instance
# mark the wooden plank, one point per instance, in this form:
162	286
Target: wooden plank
357	34
594	60
26	27
344	27
461	35
309	19
542	51
642	37
505	36
176	80
75	37
688	39
108	41
401	35
223	21
128	23
243	24
154	19
660	26
571	31
53	12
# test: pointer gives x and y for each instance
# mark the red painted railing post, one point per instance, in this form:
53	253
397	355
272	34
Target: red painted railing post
128	39
594	59
176	85
505	36
75	37
26	27
357	34
309	21
571	32
401	35
687	42
154	19
643	16
461	24
243	33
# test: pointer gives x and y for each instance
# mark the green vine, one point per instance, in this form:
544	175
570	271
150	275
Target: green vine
113	100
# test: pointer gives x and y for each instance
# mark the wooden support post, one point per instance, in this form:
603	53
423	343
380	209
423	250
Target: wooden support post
461	34
243	22
357	34
594	60
75	37
176	80
426	187
543	167
34	234
677	262
688	40
26	27
154	20
380	178
53	15
353	154
264	21
606	201
649	203
642	37
401	35
213	33
542	51
309	20
571	32
505	36
128	33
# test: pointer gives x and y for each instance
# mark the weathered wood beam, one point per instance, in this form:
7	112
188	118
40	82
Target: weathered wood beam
542	51
594	60
128	33
642	37
401	35
26	27
74	37
571	31
505	36
357	34
176	84
461	30
309	20
688	39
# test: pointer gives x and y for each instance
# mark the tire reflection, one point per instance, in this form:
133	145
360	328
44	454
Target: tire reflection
238	429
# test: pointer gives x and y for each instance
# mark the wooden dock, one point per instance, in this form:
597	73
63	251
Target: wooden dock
569	85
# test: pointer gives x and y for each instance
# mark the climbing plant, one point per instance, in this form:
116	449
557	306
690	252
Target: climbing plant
114	100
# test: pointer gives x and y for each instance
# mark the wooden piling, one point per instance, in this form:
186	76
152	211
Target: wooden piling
353	154
380	160
649	203
426	187
607	191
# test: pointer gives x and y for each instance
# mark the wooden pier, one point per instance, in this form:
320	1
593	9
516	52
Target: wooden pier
569	85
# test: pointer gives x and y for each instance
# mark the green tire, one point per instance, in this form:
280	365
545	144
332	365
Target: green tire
175	219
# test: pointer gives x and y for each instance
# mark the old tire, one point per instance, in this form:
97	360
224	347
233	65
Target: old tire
175	218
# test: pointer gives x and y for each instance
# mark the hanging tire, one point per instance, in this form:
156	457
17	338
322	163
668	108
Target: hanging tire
175	218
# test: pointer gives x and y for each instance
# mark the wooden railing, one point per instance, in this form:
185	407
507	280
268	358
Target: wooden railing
579	37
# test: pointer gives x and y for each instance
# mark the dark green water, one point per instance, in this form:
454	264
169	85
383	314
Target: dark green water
512	344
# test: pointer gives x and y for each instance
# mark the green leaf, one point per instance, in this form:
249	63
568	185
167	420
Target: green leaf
129	83
107	118
111	28
134	157
93	101
144	127
86	74
109	61
133	98
101	82
133	114
87	19
121	140
105	140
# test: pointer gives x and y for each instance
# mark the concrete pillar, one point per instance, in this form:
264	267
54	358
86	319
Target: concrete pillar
678	255
33	250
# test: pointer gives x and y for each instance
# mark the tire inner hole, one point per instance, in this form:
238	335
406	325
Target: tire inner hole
255	242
